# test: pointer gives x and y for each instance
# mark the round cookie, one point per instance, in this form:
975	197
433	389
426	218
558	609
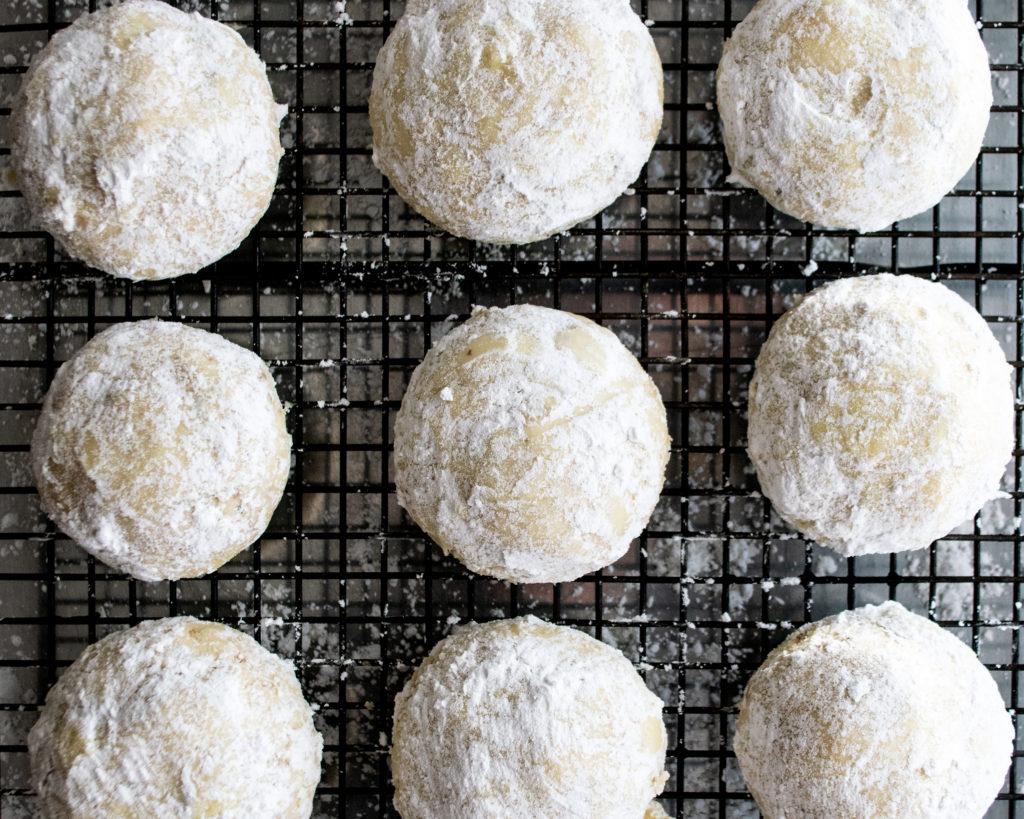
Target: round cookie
881	414
854	113
146	140
530	444
873	712
174	718
512	120
524	718
161	449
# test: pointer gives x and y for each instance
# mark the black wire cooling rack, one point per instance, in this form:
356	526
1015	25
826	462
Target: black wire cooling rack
342	289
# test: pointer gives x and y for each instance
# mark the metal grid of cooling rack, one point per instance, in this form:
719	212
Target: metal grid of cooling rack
342	289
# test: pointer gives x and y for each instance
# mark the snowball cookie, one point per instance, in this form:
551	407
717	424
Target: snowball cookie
511	120
161	449
874	712
854	113
524	718
176	718
146	140
531	445
881	414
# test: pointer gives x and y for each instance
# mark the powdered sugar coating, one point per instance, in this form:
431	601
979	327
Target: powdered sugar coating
146	139
524	718
881	414
176	719
511	120
874	712
531	444
854	113
161	449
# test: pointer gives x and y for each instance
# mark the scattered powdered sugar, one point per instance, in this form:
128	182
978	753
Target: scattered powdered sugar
852	113
161	449
146	139
523	718
176	718
531	444
512	120
873	712
881	414
341	16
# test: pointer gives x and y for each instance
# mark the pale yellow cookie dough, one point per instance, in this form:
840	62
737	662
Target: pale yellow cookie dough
511	120
873	713
146	139
854	113
531	445
176	718
524	718
161	449
881	414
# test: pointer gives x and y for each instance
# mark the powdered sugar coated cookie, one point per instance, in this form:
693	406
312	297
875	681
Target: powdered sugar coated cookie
854	113
176	718
524	718
161	449
146	139
881	414
531	444
511	120
873	712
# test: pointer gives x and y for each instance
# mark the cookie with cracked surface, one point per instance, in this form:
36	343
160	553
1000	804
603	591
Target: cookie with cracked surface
881	414
524	718
146	140
873	712
176	718
531	445
161	449
854	113
511	120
